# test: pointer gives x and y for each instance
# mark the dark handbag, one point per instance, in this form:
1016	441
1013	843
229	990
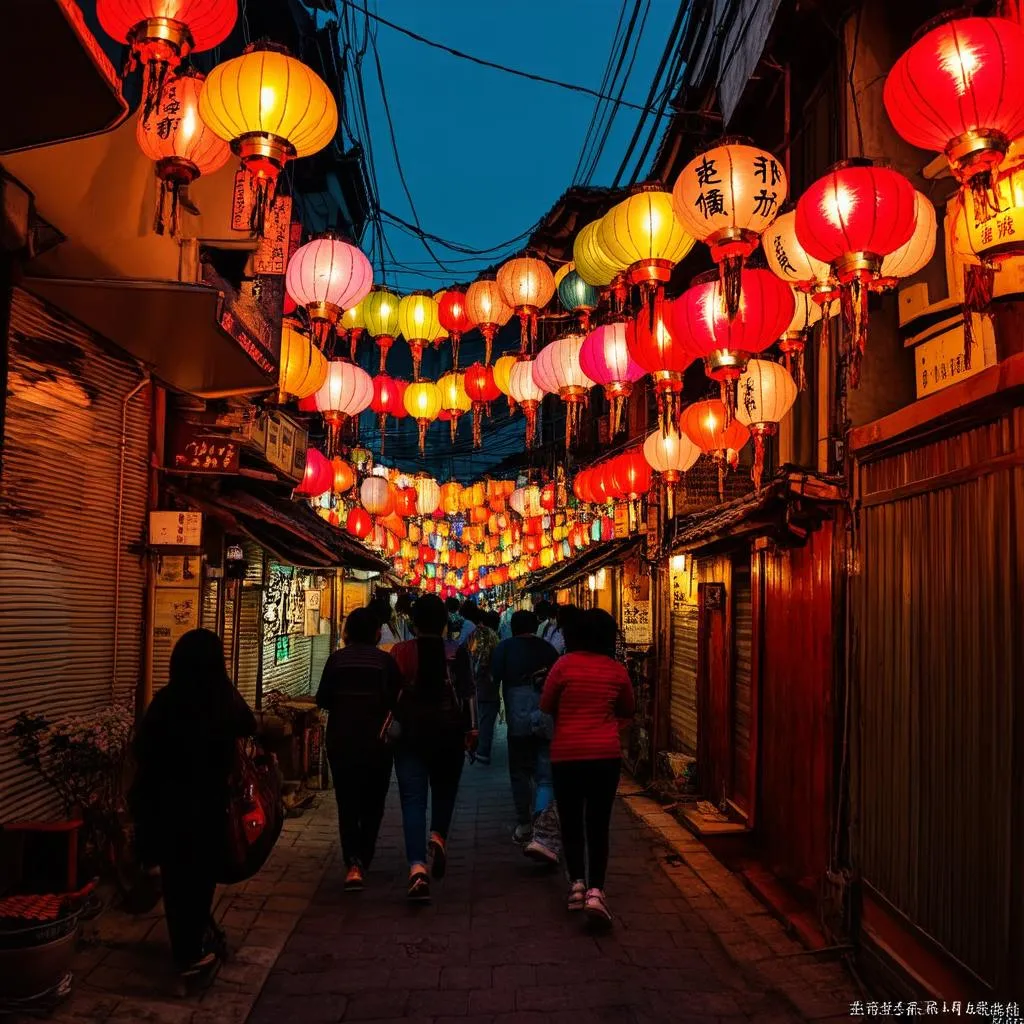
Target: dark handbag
255	812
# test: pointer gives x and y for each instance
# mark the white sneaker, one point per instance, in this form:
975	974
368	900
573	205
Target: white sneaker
596	907
577	895
536	850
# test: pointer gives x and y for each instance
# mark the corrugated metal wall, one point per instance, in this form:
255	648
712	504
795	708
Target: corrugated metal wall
684	680
938	680
250	629
282	616
58	533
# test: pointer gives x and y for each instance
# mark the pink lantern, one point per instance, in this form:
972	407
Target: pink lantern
605	359
524	389
557	370
346	392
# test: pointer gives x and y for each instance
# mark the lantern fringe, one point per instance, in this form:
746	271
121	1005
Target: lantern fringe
382	419
979	285
353	342
384	344
168	192
335	422
478	415
154	79
721	479
512	405
322	334
730	272
573	415
456	338
422	426
620	293
454	425
670	499
668	412
530	412
487	330
616	409
264	193
986	199
854	305
728	388
757	470
584	320
416	348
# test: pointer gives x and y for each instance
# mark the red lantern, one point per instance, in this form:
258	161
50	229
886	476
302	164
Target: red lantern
581	486
481	389
958	91
764	309
387	398
455	319
632	474
708	426
665	357
855	215
548	497
318	475
405	501
359	523
608	485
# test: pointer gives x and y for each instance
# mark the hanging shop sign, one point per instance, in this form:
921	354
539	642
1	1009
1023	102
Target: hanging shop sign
939	354
175	612
175	530
636	604
272	251
622	520
194	451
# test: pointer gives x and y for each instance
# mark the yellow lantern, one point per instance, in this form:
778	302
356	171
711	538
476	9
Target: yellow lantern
561	271
272	108
423	403
353	323
527	285
488	310
592	260
303	366
380	315
418	324
450	493
473	496
643	236
502	379
454	400
726	197
428	495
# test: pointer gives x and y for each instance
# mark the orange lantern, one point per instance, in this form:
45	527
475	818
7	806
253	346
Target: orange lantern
344	476
405	501
488	310
527	285
711	429
450	494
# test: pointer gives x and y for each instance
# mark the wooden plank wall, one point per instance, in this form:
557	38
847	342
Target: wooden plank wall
714	684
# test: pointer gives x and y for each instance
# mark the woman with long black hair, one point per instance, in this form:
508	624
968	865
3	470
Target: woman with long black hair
185	751
436	716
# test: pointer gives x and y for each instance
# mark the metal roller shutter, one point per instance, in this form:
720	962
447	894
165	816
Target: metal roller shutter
60	590
231	588
208	608
320	651
742	723
684	680
250	630
283	617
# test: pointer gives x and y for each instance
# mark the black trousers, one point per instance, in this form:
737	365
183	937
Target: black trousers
188	886
361	783
585	795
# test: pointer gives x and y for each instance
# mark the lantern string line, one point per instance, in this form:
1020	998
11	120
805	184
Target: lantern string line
854	101
571	86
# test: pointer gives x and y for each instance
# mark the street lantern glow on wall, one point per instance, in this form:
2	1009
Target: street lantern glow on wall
180	145
527	285
766	393
325	277
726	197
380	314
272	108
488	310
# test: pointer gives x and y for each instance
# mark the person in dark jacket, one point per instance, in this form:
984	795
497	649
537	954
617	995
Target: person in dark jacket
436	713
185	751
481	645
358	689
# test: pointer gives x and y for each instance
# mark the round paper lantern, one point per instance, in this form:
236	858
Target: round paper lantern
454	400
481	391
272	108
605	359
503	378
380	314
303	368
346	391
791	262
548	497
631	473
643	235
418	323
386	401
325	277
344	476
453	315
806	313
577	296
423	403
708	426
358	523
163	32
766	393
526	501
180	145
375	494
957	91
557	370
605	484
764	309
670	455
593	262
428	495
917	252
317	476
450	494
581	486
527	285
486	307
352	324
853	217
726	197
665	357
525	391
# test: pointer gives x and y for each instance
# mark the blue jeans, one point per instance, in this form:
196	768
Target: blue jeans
529	769
436	770
488	710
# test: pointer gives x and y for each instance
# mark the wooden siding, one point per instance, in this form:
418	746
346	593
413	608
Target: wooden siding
714	681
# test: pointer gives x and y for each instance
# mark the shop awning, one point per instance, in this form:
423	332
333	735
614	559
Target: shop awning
59	84
179	330
597	557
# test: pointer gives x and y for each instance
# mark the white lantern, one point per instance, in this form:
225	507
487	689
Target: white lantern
765	395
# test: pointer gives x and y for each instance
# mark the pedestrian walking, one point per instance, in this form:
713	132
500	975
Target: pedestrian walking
185	751
358	690
589	694
518	666
436	717
390	631
470	617
481	644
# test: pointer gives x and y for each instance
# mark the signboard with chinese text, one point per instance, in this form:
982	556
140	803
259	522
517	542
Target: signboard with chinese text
621	520
636	603
682	586
271	255
939	360
175	529
197	452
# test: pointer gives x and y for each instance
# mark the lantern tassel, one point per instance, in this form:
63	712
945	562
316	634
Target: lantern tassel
422	425
986	198
335	421
416	347
168	190
487	330
524	331
585	320
721	479
454	427
730	271
321	332
670	499
456	338
155	77
382	419
728	389
616	406
478	409
668	412
530	412
854	305
384	344
353	341
757	470
979	284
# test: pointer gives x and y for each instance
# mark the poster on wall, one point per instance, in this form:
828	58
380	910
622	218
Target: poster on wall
175	612
311	606
636	604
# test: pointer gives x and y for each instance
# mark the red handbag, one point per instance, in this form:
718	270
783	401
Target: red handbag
255	812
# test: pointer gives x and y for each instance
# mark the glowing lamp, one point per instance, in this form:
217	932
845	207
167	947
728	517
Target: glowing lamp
325	277
481	390
557	370
450	494
353	325
161	33
631	473
527	285
806	313
790	261
454	400
665	356
346	391
581	486
317	476
486	307
592	260
303	368
380	314
418	323
548	497
764	309
605	359
180	145
766	393
358	523
915	254
726	197
272	108
670	455
853	217
375	494
344	476
428	495
525	391
503	379
709	427
957	91
423	403
386	401
453	315
577	296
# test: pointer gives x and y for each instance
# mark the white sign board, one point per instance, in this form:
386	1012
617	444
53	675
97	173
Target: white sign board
176	529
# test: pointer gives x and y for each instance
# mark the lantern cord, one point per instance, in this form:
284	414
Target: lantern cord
854	101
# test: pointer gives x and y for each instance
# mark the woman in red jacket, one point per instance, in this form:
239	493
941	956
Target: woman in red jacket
589	694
